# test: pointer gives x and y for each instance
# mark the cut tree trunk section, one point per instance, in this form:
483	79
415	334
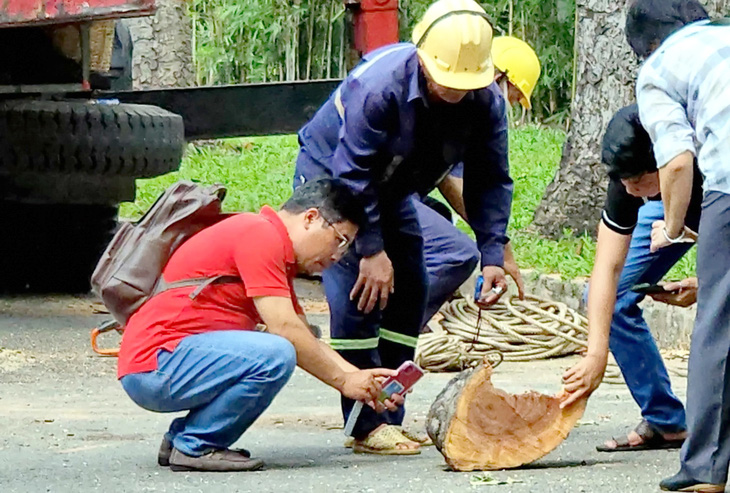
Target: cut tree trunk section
478	427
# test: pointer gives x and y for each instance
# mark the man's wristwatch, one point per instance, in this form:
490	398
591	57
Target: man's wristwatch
678	239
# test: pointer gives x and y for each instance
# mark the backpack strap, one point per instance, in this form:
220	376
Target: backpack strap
200	282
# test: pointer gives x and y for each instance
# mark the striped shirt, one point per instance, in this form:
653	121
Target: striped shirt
683	93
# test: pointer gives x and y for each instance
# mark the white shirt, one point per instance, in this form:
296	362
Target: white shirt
683	91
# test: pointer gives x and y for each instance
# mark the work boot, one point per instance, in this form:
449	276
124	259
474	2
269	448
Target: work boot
682	482
217	461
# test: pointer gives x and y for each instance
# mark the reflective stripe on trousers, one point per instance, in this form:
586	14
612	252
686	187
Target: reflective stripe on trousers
372	342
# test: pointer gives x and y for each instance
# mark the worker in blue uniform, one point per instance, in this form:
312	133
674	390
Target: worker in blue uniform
394	128
450	255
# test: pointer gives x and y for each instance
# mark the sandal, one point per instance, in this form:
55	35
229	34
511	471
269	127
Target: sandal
384	442
651	439
421	439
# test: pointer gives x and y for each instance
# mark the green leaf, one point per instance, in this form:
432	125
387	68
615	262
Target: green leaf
486	479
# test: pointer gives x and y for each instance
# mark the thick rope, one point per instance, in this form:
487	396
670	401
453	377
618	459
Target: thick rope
519	330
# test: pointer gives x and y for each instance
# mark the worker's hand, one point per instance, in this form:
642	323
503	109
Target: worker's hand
585	377
374	282
679	293
512	269
659	237
495	284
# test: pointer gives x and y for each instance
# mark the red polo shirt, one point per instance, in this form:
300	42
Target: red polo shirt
254	247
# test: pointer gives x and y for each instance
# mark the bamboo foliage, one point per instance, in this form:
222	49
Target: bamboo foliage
547	25
263	40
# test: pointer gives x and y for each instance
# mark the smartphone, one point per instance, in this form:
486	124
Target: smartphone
647	288
408	374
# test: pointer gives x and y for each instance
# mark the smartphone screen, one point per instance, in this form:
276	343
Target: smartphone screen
408	374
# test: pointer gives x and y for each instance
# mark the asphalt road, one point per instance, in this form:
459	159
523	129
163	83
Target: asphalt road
67	426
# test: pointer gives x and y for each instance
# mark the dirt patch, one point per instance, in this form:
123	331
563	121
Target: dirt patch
51	305
314	306
106	436
329	421
13	360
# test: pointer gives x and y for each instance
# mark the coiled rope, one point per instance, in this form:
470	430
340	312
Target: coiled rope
510	330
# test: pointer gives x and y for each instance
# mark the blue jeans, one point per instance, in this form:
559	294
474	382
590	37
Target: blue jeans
226	379
450	256
631	342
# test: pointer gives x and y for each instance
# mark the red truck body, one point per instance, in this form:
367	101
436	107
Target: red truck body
69	156
38	12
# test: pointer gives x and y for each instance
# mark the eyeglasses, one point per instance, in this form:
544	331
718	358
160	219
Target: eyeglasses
344	240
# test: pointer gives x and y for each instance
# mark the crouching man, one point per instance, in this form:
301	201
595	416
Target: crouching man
202	353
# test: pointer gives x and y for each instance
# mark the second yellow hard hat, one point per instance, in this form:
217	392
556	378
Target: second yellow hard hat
519	62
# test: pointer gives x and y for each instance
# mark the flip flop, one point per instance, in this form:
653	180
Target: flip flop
420	438
384	442
651	439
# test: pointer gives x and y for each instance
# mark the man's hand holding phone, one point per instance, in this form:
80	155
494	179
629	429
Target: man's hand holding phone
390	394
367	386
678	293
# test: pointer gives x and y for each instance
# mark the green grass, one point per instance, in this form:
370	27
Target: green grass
258	171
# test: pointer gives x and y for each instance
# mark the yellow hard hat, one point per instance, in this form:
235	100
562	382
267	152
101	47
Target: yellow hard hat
519	62
454	40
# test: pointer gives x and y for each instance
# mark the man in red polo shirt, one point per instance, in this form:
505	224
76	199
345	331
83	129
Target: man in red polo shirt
204	354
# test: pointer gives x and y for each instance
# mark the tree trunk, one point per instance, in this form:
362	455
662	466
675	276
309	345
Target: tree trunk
478	427
605	71
163	50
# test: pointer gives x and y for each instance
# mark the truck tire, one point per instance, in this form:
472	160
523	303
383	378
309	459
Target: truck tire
91	138
64	167
52	249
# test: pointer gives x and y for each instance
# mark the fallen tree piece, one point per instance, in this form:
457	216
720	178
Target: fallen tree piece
478	427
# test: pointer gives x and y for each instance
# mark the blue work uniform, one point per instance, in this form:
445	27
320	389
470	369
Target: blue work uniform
450	255
380	134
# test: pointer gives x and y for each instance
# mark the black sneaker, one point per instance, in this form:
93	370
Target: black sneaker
681	482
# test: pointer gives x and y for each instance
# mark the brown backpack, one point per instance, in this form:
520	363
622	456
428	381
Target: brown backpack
130	270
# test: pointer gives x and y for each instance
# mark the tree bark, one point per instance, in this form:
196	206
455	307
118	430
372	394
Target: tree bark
605	72
478	427
163	49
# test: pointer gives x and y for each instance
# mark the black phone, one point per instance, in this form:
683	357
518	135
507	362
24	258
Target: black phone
647	288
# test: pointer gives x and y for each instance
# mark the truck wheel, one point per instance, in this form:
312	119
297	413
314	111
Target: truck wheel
52	248
91	138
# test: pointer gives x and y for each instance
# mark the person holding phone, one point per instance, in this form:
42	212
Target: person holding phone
623	260
450	255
